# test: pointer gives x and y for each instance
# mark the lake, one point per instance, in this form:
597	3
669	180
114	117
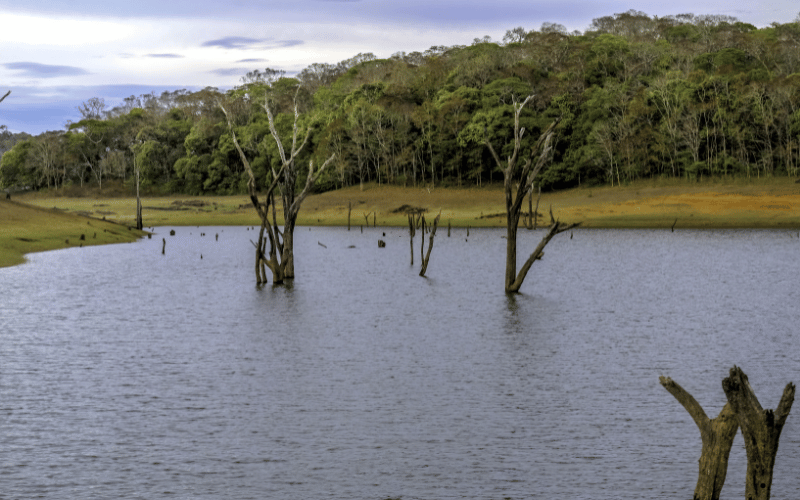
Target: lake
125	373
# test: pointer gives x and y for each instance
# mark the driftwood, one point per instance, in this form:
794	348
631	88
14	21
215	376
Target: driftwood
761	430
717	436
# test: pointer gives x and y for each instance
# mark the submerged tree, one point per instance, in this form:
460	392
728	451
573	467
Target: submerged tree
761	430
717	436
291	201
523	179
281	243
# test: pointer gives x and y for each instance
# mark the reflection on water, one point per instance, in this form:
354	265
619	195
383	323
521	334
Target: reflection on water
128	373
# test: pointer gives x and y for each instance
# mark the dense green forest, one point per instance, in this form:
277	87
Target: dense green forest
637	97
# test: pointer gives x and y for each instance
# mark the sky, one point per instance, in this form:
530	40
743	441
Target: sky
56	54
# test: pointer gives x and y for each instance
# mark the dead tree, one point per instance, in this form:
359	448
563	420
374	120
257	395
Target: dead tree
4	97
717	436
412	230
281	251
276	265
430	245
290	200
138	199
529	171
761	430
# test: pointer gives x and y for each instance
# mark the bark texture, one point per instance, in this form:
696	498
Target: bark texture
761	430
717	436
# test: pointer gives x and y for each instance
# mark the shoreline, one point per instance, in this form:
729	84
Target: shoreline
36	222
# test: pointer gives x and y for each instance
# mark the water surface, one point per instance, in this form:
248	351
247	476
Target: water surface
125	373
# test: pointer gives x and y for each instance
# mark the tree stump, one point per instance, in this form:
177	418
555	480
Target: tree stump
761	430
717	436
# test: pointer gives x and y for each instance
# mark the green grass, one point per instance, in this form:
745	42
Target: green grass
26	229
710	203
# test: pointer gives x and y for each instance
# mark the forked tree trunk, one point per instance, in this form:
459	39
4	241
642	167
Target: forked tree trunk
281	252
717	436
524	184
761	430
430	245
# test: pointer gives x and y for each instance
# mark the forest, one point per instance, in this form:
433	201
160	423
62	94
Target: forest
635	96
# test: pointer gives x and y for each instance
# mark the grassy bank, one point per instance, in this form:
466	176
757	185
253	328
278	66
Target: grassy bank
723	203
25	229
759	203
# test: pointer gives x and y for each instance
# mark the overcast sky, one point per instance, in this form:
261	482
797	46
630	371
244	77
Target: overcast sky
58	53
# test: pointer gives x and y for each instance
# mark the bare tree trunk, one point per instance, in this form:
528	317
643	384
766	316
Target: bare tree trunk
761	430
430	245
536	210
411	232
422	243
138	202
349	209
717	436
513	280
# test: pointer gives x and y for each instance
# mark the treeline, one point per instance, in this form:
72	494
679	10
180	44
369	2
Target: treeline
636	97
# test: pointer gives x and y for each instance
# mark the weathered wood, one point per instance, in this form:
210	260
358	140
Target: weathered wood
411	232
717	437
430	245
761	430
422	243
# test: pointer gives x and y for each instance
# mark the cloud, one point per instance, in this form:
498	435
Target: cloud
32	69
165	56
244	43
252	60
288	43
233	42
229	71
